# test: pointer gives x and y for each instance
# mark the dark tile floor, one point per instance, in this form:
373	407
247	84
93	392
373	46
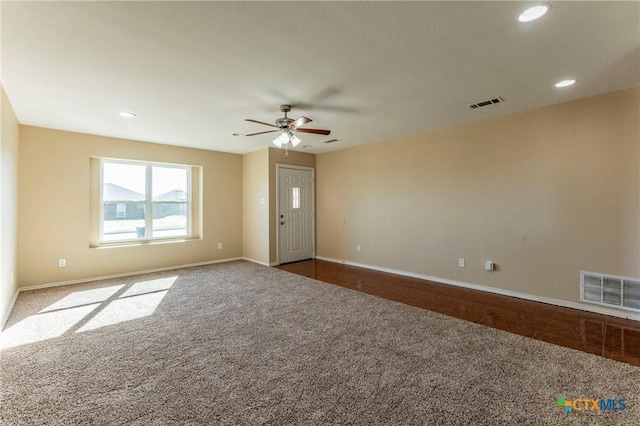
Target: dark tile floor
603	335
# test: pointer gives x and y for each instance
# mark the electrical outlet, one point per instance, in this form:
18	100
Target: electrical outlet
461	262
219	246
358	248
62	263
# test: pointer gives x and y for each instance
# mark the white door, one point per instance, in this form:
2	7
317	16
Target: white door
295	213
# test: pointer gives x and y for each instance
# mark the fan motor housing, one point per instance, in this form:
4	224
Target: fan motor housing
283	122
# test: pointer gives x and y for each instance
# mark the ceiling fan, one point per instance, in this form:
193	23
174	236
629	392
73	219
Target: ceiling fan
287	128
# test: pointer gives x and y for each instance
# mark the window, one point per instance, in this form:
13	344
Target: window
144	201
295	198
121	210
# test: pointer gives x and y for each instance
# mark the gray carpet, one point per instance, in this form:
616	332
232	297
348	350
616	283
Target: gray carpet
238	343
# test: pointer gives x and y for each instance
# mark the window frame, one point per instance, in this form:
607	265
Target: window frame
148	203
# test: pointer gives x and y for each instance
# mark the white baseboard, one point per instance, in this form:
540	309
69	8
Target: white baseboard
503	292
259	262
127	274
9	310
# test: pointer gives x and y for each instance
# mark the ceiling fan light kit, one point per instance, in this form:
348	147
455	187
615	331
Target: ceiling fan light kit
287	128
285	138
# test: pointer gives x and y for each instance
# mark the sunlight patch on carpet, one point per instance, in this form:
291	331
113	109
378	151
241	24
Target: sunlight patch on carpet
99	307
85	297
45	326
144	287
126	309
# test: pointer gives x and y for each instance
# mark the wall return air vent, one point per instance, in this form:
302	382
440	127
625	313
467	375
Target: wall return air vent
610	290
488	102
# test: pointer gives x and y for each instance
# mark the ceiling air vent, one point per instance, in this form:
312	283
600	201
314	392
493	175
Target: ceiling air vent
609	290
331	141
497	100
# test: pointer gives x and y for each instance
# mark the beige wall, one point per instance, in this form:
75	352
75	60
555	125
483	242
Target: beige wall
277	156
544	194
54	205
255	172
9	136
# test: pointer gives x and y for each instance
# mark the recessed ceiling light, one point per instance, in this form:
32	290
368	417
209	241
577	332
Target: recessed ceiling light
534	13
566	83
127	114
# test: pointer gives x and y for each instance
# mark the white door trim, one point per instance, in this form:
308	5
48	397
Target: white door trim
313	206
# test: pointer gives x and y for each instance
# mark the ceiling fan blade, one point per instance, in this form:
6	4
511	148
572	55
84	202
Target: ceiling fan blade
259	122
260	133
316	131
300	121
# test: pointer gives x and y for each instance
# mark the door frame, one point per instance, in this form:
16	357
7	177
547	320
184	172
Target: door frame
313	206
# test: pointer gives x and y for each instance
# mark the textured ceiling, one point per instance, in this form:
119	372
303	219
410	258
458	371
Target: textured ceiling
368	71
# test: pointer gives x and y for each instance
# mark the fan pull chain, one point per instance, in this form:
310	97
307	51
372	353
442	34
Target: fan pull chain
286	151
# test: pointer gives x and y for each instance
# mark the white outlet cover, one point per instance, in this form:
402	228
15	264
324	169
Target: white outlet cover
461	262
